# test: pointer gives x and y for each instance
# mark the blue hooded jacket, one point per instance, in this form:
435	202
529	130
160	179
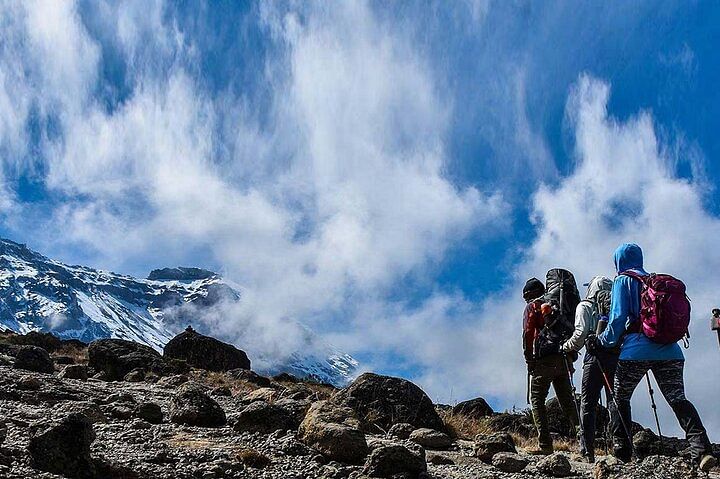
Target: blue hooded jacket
625	309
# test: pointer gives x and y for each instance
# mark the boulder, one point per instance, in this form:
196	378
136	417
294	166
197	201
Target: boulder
334	431
474	408
382	401
114	358
509	422
34	358
401	430
431	439
204	352
556	465
47	341
74	371
249	376
64	448
486	446
392	459
286	378
149	411
295	408
263	417
509	462
194	408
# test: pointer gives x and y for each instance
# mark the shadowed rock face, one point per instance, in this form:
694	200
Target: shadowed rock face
117	357
33	358
381	401
65	448
205	352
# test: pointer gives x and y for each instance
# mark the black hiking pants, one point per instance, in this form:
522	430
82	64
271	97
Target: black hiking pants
669	377
592	384
549	371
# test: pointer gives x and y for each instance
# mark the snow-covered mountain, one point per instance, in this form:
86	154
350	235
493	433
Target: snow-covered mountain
37	293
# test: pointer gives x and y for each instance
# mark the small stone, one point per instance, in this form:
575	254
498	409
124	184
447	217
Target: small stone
386	461
509	462
140	424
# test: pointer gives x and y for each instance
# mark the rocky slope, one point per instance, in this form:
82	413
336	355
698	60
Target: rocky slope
40	294
167	419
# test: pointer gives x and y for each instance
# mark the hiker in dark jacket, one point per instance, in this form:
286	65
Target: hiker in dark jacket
587	317
638	354
544	372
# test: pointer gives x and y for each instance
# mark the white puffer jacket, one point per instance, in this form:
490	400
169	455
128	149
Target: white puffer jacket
586	314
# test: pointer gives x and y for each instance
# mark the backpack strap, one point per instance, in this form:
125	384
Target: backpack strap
635	326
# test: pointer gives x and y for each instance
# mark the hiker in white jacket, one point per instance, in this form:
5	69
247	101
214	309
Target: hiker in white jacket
587	316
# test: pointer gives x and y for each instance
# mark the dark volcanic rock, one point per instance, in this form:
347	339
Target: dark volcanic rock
114	358
387	461
180	274
556	465
34	358
509	462
401	430
486	446
334	432
47	341
149	411
194	408
65	448
431	439
261	416
474	408
381	401
204	352
250	376
74	371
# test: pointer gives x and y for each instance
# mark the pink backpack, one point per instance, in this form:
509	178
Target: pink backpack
664	308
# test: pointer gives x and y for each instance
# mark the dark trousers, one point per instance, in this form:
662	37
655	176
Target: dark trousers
546	372
669	377
592	384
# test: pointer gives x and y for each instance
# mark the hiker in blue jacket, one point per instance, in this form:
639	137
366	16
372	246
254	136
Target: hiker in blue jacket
638	354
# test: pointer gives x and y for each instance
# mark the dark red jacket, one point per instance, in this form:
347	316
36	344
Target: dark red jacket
533	322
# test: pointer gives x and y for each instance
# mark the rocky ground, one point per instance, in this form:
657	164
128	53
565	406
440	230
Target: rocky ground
163	417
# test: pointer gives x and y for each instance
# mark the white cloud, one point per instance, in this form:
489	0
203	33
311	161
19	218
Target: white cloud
360	201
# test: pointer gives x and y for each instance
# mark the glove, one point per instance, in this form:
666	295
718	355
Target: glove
592	344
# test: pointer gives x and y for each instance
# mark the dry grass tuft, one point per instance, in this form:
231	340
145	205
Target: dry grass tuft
253	458
464	427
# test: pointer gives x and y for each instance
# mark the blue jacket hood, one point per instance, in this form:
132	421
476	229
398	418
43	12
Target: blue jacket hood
628	256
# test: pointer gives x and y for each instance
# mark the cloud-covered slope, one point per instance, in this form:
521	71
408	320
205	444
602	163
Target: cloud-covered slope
37	293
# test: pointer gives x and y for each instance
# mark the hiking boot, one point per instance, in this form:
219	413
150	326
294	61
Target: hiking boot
707	462
623	453
541	451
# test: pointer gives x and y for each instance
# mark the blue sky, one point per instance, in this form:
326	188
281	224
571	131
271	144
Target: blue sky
388	173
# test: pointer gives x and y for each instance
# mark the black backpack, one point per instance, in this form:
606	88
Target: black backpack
562	294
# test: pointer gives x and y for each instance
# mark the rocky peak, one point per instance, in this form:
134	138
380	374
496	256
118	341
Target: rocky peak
180	274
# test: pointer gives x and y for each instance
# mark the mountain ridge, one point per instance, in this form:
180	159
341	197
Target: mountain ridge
74	301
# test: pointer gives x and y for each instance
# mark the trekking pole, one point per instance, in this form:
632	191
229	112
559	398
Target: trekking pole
574	391
527	390
653	405
611	393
